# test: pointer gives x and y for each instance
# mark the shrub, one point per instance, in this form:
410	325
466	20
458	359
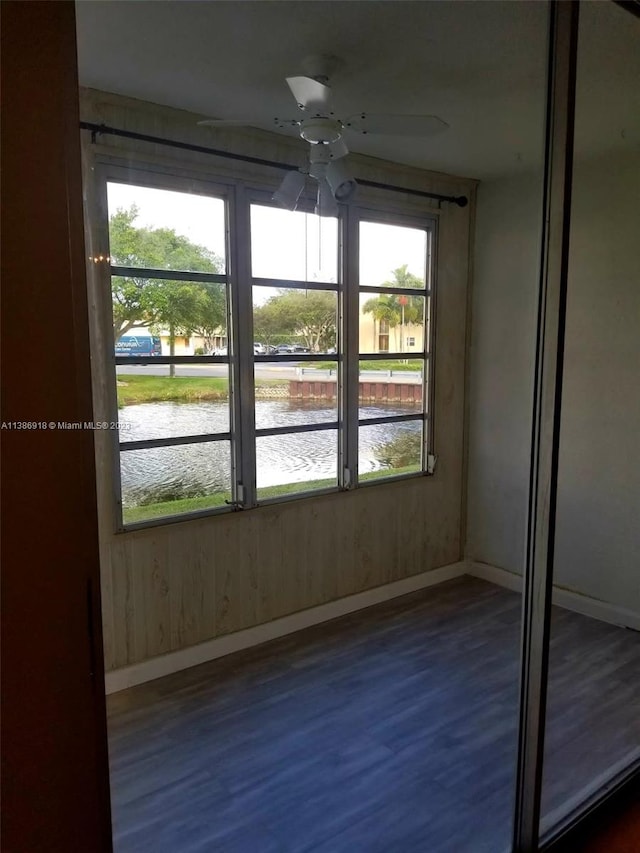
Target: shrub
402	451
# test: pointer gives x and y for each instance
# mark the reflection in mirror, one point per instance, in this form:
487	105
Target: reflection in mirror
593	699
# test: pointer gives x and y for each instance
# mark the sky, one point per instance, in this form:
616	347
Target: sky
285	244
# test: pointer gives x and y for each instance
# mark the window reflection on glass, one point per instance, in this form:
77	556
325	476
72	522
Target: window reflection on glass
297	462
293	245
387	450
170	480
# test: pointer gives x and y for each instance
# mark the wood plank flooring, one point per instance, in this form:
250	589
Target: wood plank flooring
391	730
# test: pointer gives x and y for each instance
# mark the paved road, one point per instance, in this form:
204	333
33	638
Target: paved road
290	370
264	370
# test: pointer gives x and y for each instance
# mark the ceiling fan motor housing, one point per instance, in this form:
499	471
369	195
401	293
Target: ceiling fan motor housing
320	130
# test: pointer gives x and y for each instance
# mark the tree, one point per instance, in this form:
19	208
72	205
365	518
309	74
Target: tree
310	314
383	308
211	313
396	309
177	305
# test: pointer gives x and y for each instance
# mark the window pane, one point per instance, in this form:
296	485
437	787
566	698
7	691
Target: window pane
297	462
164	229
294	321
170	480
391	387
292	394
168	317
293	245
392	255
386	450
167	407
392	323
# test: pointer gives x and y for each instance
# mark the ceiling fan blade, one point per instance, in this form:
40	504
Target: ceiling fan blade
310	95
286	122
396	125
338	149
228	122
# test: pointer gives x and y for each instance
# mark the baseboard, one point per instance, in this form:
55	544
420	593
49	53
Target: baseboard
583	604
157	667
492	574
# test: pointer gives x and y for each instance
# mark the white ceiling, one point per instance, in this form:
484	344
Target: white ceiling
478	65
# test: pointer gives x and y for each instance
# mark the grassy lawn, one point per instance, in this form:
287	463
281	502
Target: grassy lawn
389	472
294	488
143	513
410	364
319	365
134	389
160	389
186	505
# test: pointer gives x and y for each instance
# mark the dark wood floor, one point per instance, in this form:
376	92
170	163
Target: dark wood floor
390	730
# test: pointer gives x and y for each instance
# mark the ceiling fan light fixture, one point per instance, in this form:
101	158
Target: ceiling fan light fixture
338	149
318	161
326	204
343	185
290	190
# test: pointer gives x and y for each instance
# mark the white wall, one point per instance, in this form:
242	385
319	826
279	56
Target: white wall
598	535
501	376
598	543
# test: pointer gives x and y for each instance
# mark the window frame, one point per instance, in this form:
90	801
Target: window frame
428	223
238	197
305	205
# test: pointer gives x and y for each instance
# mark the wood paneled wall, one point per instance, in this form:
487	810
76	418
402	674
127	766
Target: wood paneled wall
170	587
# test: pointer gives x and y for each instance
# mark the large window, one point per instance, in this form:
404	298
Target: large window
393	352
249	368
294	267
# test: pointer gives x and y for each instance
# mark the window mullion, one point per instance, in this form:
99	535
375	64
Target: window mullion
241	358
351	344
428	373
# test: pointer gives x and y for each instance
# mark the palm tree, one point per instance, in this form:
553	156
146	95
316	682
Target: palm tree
403	278
383	308
389	307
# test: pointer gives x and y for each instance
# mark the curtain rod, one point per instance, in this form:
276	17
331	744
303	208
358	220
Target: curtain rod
461	201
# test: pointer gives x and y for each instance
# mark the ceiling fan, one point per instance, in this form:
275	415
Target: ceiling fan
324	130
